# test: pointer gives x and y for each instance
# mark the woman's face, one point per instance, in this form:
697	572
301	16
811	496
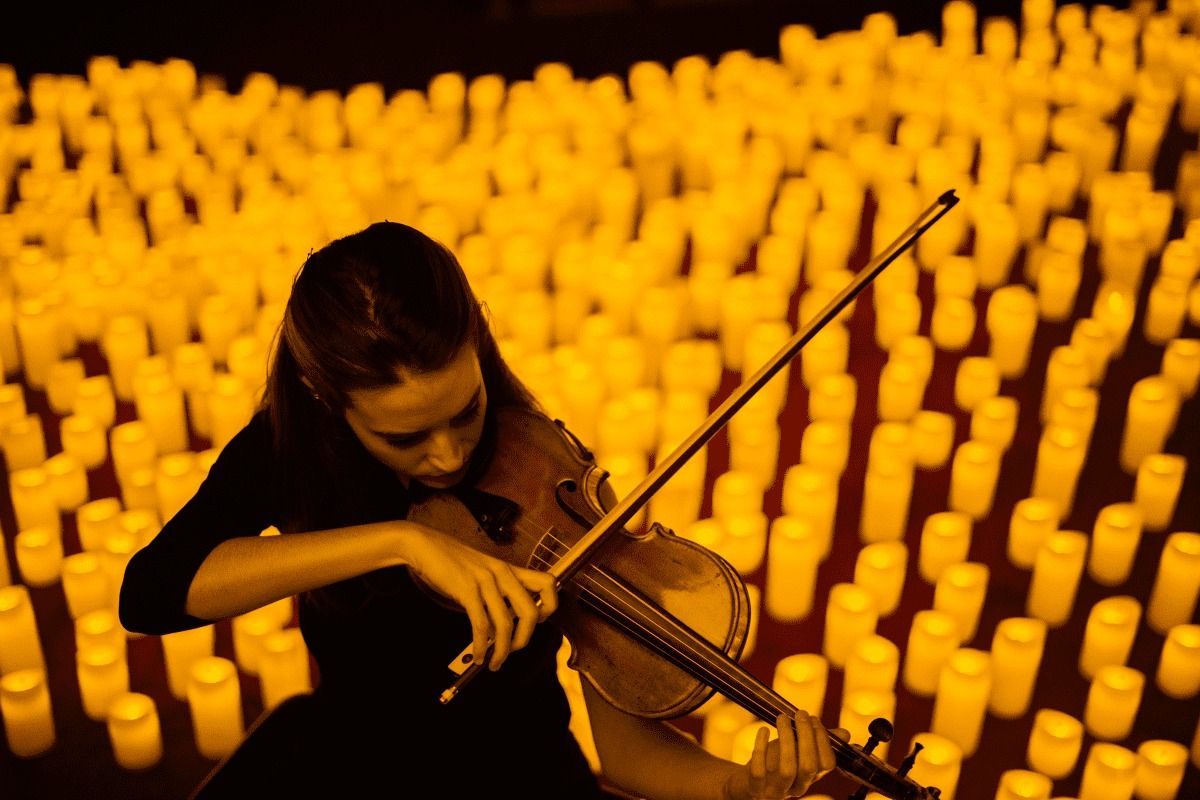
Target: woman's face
425	426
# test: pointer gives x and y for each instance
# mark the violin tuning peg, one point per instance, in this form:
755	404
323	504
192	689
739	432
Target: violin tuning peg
881	731
911	759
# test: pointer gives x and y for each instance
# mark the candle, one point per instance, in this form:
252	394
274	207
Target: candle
125	342
83	438
24	443
1109	773
1178	672
1076	407
1161	764
827	354
721	726
1112	702
1022	784
214	698
33	501
811	492
932	438
938	764
736	492
896	315
833	398
953	323
932	637
745	542
1114	307
283	666
183	649
1017	648
960	702
1055	741
160	406
960	592
1115	538
1011	320
794	550
976	380
26	710
873	663
1108	636
994	421
68	481
901	391
1166	309
219	321
860	707
744	738
1091	337
20	647
1067	368
84	584
826	444
1176	584
134	731
1157	487
1058	278
945	540
1181	363
176	481
880	568
118	547
849	615
230	407
996	243
1032	520
94	520
801	679
1060	457
103	674
37	329
887	495
100	628
890	442
753	446
62	379
1063	175
973	475
39	554
133	447
692	365
1056	572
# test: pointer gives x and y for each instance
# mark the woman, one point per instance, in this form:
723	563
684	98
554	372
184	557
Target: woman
384	384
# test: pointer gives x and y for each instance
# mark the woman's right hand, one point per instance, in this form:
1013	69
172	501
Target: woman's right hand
491	591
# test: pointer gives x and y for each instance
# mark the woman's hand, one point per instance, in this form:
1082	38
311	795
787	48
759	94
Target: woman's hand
491	591
786	766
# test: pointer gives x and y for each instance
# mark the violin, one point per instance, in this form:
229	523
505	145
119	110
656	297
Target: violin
656	622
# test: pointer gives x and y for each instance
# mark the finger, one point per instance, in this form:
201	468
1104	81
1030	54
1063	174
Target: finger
808	763
825	756
481	628
787	749
758	762
501	619
544	585
522	606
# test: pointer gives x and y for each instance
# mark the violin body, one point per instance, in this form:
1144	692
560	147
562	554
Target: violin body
541	490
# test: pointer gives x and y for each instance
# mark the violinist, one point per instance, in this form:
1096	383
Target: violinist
382	387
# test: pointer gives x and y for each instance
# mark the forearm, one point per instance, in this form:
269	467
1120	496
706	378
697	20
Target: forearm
249	572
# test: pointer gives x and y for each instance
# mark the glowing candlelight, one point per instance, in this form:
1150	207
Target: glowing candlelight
1157	487
83	438
84	584
973	476
183	649
1067	368
939	763
103	674
953	323
26	710
1017	648
1108	636
1109	772
801	678
20	647
1112	702
887	495
1022	784
932	438
873	663
880	568
1057	569
976	380
134	731
1181	363
214	698
945	540
860	706
826	444
126	341
932	637
1161	764
283	666
960	702
1055	742
960	592
1060	457
794	551
811	492
1176	584
1178	672
994	421
1115	538
24	443
1011	320
850	615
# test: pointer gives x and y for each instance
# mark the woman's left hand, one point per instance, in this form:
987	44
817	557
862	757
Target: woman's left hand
786	766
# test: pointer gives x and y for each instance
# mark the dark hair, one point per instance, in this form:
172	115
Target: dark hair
362	308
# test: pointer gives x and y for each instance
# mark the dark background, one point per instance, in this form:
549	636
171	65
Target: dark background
327	45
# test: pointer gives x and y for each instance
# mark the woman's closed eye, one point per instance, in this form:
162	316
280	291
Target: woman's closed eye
464	417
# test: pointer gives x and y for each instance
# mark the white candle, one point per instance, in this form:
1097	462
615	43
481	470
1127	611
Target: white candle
1115	538
1151	414
1060	457
1023	784
860	707
945	540
1067	368
994	421
1011	321
811	492
1017	648
26	710
1055	741
214	698
1181	363
39	554
880	568
794	552
1056	572
953	322
873	663
1176	584
973	476
960	702
1178	672
125	342
1157	487
1032	520
1160	768
183	649
932	438
938	764
20	647
134	731
745	543
68	481
1093	340
825	444
283	666
33	501
94	520
133	447
37	334
100	628
1108	636
1109	773
976	380
103	675
960	592
1114	695
160	406
887	496
84	583
932	637
801	678
24	443
833	398
83	438
850	614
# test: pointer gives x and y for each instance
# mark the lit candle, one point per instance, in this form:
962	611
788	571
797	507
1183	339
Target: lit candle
901	391
183	649
976	380
973	474
880	568
39	553
160	406
1055	741
37	334
1157	487
932	438
214	698
1017	648
794	551
83	438
133	447
61	382
826	444
126	341
736	492
896	315
1060	457
1176	584
1033	519
890	442
887	495
960	702
745	543
1022	784
953	323
811	492
1115	538
860	707
849	615
1150	418
26	711
20	647
1114	307
932	637
938	764
833	398
1058	278
996	243
100	628
94	520
24	443
721	726
1092	339
68	481
1067	368
692	365
1181	363
103	674
1076	407
1109	772
1056	572
33	502
828	354
230	407
219	321
84	584
873	663
1108	636
994	421
960	592
283	666
916	350
1161	764
801	679
1178	673
1166	309
1011	320
1114	696
945	540
134	730
753	446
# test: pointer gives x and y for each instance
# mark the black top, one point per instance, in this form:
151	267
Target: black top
381	644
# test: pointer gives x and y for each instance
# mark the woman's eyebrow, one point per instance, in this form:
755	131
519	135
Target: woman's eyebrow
474	401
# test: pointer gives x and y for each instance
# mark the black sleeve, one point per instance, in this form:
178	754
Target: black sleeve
236	499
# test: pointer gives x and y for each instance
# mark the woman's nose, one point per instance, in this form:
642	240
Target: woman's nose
447	451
